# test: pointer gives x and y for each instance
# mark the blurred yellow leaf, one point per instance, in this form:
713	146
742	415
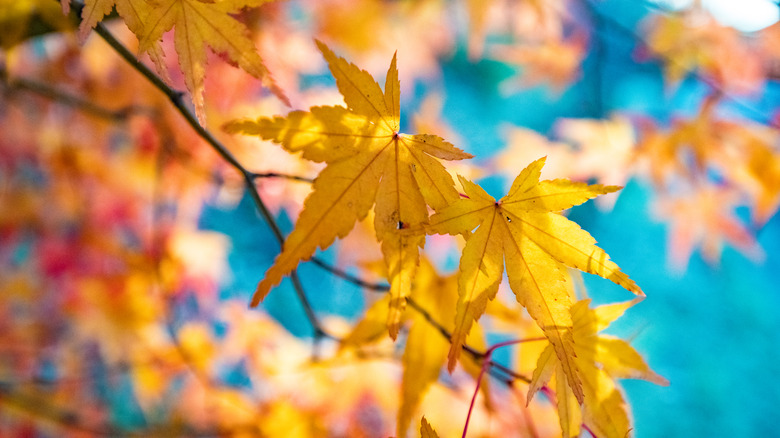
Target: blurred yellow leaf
600	359
19	19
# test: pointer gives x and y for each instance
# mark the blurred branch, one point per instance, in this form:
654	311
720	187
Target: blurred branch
13	85
283	176
376	287
598	53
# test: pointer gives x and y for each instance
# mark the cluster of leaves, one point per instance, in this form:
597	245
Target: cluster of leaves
371	164
104	204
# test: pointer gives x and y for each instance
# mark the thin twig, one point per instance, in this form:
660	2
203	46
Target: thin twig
177	99
485	365
507	374
496	370
598	52
71	100
282	175
376	287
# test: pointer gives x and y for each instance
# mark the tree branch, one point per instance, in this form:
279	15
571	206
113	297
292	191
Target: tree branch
485	364
177	100
504	374
73	101
282	175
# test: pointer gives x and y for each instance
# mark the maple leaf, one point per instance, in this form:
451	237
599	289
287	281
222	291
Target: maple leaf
198	23
525	229
426	349
369	164
600	359
376	28
554	62
586	150
694	40
426	430
528	20
133	12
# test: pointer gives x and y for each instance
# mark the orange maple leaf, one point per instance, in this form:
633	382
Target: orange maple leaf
525	229
369	164
705	219
695	41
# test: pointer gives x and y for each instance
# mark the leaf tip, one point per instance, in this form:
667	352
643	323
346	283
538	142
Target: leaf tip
83	32
324	49
456	347
260	293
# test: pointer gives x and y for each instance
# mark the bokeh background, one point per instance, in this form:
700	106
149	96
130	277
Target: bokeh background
589	84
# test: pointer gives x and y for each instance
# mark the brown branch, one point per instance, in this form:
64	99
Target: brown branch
379	287
500	372
282	175
376	287
51	93
178	102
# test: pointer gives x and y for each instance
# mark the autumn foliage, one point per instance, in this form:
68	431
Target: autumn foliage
116	314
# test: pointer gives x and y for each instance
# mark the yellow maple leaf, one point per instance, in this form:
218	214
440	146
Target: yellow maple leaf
525	229
198	23
600	359
133	12
369	163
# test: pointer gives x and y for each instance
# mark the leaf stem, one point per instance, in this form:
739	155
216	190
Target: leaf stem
486	363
